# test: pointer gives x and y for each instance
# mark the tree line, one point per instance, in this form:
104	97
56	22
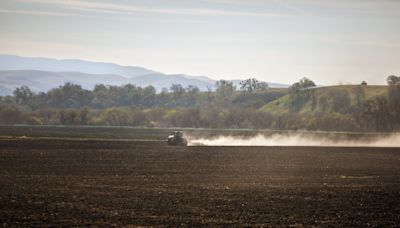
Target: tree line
223	107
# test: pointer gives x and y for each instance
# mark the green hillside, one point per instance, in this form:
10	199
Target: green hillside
259	99
339	99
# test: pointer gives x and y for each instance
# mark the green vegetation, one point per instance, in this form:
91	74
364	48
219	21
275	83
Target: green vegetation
333	99
254	106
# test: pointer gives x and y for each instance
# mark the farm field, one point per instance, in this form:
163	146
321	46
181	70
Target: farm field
93	179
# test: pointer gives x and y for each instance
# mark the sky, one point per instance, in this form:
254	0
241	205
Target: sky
330	42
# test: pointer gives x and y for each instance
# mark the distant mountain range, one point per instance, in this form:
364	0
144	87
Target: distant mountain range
12	62
42	74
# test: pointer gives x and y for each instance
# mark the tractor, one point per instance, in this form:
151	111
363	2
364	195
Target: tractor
176	138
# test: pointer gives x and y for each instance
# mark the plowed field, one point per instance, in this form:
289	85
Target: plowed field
46	182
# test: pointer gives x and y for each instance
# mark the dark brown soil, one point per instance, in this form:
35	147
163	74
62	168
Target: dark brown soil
46	182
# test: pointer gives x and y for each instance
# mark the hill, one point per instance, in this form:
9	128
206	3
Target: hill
39	81
12	62
339	99
42	74
258	99
44	80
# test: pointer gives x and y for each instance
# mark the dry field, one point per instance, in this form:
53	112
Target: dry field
56	182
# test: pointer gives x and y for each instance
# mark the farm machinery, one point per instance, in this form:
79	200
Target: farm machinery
176	138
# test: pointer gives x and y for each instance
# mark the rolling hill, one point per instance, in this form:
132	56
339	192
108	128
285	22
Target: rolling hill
12	62
42	74
339	99
44	80
39	81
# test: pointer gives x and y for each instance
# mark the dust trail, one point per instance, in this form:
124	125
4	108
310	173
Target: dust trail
392	140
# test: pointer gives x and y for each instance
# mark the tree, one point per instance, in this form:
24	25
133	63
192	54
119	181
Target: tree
23	94
393	80
69	96
69	117
99	87
359	95
191	89
84	116
340	101
394	98
177	90
224	88
138	117
248	85
377	112
306	83
295	97
129	95
193	92
251	84
224	93
115	117
295	89
10	114
149	95
299	93
209	94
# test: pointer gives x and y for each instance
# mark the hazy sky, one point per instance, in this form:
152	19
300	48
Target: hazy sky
329	41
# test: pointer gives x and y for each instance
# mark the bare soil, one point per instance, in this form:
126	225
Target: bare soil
48	182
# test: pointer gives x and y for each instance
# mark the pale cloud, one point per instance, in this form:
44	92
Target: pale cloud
299	5
284	3
363	5
239	2
290	6
125	8
380	44
32	12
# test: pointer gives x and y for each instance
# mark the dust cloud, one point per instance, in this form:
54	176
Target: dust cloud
384	140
